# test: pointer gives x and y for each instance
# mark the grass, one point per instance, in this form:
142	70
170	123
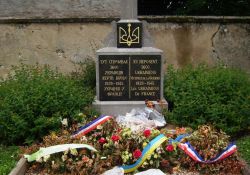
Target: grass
8	158
244	148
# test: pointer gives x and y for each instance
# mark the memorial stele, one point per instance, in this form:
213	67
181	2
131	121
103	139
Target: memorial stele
129	70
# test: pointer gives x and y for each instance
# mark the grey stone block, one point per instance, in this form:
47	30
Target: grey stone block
20	168
115	108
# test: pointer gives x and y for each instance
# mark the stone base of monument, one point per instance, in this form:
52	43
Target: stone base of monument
115	108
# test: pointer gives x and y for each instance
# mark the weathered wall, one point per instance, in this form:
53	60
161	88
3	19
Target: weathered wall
64	32
62	45
204	43
42	9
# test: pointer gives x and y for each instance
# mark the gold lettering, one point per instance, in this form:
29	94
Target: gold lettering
116	94
103	61
113	72
152	88
107	78
139	83
114	67
145	72
118	61
119	83
148	93
120	78
108	83
148	61
112	88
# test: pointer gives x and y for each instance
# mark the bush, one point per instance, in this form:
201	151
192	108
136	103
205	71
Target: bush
86	74
220	96
209	142
195	7
34	100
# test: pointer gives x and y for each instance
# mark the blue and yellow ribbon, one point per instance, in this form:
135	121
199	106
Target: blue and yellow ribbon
147	151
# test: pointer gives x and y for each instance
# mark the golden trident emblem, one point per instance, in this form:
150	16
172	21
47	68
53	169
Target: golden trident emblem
128	37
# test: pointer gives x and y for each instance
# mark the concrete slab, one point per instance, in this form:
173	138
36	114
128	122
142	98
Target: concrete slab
20	168
115	108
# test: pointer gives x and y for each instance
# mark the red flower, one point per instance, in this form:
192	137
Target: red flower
170	148
115	138
147	133
137	153
119	130
102	140
85	159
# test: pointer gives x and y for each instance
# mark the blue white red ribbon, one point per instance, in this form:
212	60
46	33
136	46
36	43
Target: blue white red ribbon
178	138
189	150
147	151
91	126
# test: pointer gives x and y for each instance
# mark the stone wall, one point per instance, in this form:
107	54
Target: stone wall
63	45
65	32
48	9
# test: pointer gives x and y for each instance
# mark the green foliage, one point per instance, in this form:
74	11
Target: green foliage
195	7
86	74
8	158
34	100
216	7
244	148
220	96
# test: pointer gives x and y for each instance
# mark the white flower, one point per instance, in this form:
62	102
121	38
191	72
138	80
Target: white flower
99	127
64	157
84	139
39	159
65	122
45	158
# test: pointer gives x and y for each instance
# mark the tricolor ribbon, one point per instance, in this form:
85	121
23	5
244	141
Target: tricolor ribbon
91	126
186	147
178	138
147	151
189	150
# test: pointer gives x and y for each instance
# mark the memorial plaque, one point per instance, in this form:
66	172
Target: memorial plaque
129	35
129	77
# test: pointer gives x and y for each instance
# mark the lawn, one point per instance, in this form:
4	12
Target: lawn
8	158
244	148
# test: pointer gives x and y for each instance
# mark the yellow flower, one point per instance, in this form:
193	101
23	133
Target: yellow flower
73	152
149	157
144	144
155	156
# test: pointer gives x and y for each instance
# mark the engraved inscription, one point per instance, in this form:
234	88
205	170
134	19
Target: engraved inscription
113	77
126	77
145	77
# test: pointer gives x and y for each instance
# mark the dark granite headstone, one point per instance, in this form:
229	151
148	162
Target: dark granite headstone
129	77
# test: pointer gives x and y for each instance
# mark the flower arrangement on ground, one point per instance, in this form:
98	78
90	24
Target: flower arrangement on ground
119	146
